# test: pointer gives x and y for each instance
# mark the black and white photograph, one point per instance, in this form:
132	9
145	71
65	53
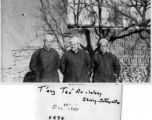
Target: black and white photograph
75	60
80	41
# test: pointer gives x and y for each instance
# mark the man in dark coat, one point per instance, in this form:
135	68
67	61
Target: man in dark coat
45	62
105	65
75	63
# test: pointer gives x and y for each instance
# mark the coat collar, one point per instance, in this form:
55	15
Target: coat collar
76	52
46	48
102	53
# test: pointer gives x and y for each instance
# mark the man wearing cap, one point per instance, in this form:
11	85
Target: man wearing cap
75	63
45	62
105	65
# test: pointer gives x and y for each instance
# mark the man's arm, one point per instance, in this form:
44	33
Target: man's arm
93	63
116	66
33	62
57	60
88	61
63	63
34	65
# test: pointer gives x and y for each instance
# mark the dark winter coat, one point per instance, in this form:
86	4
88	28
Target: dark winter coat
29	77
44	64
104	66
75	66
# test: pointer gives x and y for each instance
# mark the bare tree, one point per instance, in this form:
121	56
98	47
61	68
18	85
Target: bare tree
53	15
76	7
133	12
128	15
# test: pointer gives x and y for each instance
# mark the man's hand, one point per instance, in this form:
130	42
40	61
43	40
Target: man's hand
115	75
91	75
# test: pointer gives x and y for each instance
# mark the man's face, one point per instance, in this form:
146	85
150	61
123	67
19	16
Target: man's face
48	42
104	47
74	46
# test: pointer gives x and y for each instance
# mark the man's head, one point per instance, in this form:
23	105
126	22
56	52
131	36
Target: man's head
103	45
75	42
48	41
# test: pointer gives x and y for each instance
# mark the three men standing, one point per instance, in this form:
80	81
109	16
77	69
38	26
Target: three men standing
74	64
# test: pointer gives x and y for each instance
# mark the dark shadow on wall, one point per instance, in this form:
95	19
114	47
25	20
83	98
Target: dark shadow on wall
89	47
